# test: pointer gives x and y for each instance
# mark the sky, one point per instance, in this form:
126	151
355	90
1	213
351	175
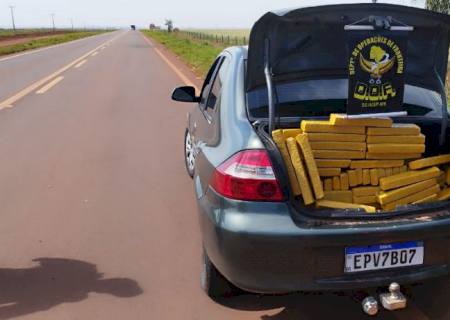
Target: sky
210	14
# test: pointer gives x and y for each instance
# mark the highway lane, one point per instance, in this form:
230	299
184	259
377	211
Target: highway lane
92	184
22	69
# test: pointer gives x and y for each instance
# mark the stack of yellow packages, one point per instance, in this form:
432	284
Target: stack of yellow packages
419	185
355	163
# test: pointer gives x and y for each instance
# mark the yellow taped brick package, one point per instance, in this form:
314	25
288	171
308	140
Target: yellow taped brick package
281	143
302	140
343	120
329	172
403	168
369	164
338	137
444	194
365	199
326	127
412	198
344	205
391	196
374	177
429	162
410	177
395	148
336	183
381	173
365	191
352	178
300	171
388	172
333	154
332	145
366	177
344	181
359	176
328	184
447	176
433	197
341	196
329	163
419	139
291	133
389	156
397	129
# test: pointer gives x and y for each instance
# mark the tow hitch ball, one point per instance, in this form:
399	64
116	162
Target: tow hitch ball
392	300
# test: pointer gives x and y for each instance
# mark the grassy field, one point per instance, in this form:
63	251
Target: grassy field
11	33
44	42
199	55
224	32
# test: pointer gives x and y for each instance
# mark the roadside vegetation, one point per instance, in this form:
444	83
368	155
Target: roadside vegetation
41	42
198	54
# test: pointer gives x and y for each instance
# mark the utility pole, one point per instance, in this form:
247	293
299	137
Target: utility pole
53	21
12	18
71	22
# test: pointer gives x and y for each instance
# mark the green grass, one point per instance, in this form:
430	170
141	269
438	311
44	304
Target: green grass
197	54
44	42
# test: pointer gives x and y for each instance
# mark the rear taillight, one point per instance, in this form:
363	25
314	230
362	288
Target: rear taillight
248	175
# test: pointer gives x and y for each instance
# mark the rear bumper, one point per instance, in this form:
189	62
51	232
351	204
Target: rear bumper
259	248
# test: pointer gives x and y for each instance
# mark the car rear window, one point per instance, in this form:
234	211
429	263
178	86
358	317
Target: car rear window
316	98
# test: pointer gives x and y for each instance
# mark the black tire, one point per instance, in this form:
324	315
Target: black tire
213	282
190	167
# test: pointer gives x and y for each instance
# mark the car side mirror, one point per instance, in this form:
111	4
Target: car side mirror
185	94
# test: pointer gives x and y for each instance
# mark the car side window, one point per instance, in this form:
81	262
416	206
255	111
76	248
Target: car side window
214	96
208	81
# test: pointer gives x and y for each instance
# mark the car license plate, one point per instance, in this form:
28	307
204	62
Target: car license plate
385	256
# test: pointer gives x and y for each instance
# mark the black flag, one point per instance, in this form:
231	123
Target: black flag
377	62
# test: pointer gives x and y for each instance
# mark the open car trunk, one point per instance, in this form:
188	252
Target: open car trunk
298	67
430	128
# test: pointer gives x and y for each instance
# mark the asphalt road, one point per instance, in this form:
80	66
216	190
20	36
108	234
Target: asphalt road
98	218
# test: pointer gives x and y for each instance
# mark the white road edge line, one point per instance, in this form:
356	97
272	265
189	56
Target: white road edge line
49	47
94	54
8	103
177	71
50	85
80	64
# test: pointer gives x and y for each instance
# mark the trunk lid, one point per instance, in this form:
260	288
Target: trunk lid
310	43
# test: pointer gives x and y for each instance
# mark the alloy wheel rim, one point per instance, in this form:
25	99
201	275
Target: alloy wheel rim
190	158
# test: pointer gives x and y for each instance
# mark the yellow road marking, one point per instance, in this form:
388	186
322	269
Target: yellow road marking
49	85
177	71
8	103
95	53
80	64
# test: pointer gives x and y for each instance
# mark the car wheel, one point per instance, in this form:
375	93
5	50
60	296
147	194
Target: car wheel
213	282
189	156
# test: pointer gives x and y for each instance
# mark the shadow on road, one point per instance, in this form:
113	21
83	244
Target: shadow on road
427	301
55	281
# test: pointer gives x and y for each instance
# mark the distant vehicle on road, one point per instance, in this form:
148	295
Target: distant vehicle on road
133	27
256	235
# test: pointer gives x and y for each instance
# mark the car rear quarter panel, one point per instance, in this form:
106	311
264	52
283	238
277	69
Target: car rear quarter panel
235	132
